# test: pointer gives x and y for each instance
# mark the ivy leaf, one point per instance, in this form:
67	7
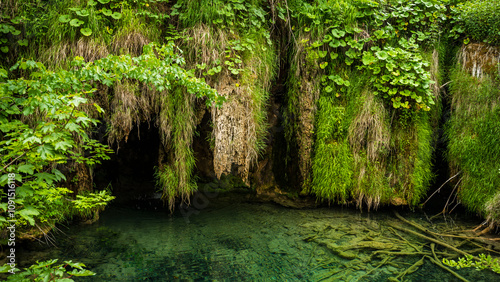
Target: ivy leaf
334	55
23	42
338	33
4	49
116	15
323	65
379	34
86	31
82	13
76	22
390	66
103	1
64	18
351	53
368	58
382	55
77	100
107	12
32	139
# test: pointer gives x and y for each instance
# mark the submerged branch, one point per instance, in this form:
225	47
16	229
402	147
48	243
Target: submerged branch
432	240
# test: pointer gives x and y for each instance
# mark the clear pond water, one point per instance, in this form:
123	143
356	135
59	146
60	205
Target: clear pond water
248	241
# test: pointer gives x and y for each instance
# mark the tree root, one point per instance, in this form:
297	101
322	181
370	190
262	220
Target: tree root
404	239
401	253
432	240
416	225
311	255
411	269
373	269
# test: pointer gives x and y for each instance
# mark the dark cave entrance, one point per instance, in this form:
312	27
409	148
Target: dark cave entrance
130	171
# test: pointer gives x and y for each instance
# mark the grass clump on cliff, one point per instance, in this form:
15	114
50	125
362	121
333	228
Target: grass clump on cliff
473	136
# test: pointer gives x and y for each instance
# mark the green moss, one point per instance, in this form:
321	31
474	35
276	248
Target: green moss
422	174
473	134
332	164
176	121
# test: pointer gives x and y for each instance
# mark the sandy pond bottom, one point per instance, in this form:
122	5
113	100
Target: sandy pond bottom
232	241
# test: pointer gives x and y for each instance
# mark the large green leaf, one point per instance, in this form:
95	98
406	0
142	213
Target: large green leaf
116	15
86	31
107	12
58	175
382	55
46	151
64	18
337	33
368	58
76	22
63	145
82	13
27	168
27	213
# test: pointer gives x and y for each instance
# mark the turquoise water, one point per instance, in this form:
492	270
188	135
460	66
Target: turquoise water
248	241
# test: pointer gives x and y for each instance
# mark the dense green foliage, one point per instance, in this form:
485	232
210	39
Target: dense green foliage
360	108
371	149
53	130
361	101
48	271
476	21
473	138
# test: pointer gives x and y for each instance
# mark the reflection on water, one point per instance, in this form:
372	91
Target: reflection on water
248	242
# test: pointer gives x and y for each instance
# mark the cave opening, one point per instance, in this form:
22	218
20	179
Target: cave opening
131	168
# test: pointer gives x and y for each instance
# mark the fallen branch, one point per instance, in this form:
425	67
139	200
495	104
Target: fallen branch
416	225
369	272
412	268
432	240
438	263
404	239
401	253
437	235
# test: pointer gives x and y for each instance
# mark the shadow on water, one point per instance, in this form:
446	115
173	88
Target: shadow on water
245	241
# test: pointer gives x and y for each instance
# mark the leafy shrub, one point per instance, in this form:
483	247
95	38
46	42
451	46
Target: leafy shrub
484	262
477	20
47	271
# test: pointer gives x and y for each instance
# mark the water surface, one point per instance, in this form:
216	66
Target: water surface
247	241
